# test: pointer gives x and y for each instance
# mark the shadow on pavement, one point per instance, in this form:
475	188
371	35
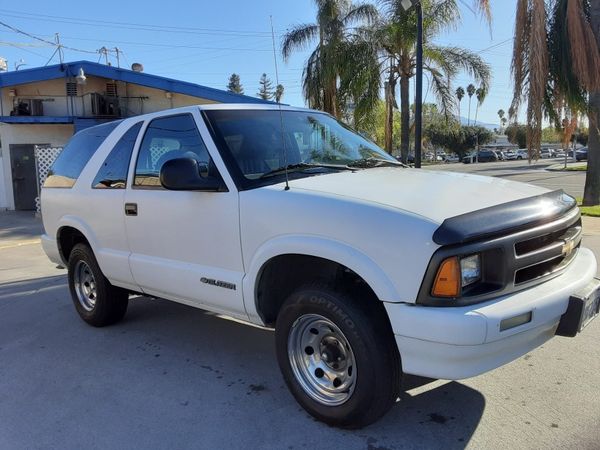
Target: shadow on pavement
174	376
19	225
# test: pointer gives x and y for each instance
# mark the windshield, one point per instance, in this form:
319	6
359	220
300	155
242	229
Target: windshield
259	142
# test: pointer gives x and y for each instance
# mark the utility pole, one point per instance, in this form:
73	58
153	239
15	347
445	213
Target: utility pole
118	59
59	47
419	87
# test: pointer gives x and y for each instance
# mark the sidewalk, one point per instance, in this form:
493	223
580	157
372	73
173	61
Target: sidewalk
19	227
591	226
571	166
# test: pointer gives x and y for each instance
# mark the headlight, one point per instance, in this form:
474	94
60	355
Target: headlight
455	274
470	270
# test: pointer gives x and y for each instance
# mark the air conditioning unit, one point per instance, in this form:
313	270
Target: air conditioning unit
103	105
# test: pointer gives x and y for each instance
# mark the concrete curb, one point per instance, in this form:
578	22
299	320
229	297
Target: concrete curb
561	167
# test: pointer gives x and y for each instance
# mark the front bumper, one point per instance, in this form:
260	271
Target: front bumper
461	342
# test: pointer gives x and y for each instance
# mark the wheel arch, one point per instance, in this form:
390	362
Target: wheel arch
70	232
282	264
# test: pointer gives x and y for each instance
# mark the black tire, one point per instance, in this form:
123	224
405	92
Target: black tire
366	328
109	302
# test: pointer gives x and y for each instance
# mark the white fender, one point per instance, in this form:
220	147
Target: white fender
308	245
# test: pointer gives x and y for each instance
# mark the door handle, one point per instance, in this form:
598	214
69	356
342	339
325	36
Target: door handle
131	209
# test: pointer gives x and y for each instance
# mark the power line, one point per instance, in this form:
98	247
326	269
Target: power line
23	49
148	44
136	26
16	30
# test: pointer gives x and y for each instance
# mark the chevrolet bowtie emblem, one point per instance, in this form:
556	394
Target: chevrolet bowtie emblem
568	248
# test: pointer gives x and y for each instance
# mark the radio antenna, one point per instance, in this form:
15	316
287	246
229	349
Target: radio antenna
285	160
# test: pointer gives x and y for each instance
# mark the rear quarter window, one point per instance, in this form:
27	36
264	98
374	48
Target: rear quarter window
113	172
76	154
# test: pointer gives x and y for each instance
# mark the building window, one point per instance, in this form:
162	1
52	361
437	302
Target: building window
71	89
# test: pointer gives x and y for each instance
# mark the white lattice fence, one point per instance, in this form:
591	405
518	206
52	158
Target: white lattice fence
44	157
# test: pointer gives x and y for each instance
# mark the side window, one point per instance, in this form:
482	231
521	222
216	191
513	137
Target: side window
76	154
113	173
167	138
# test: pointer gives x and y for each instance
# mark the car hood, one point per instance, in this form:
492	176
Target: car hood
435	195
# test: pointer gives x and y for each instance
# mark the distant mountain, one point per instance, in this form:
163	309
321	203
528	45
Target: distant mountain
489	126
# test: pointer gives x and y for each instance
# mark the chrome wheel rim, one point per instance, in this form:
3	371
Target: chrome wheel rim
85	285
322	360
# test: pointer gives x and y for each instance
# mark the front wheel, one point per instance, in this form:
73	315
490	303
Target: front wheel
338	356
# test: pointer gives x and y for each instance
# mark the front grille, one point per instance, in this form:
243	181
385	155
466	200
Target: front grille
540	256
511	261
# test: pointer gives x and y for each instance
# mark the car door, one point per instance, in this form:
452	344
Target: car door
185	245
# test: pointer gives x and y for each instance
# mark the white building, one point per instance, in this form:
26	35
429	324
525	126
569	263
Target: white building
47	105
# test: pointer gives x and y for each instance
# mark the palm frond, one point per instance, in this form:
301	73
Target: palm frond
584	46
485	9
298	38
361	13
441	88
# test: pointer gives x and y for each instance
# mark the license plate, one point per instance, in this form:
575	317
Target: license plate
591	309
584	306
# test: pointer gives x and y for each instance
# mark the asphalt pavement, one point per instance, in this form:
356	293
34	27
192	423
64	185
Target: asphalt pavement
171	376
571	182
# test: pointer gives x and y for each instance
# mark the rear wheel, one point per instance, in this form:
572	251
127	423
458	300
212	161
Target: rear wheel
97	302
338	356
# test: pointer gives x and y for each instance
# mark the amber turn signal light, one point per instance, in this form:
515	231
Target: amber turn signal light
447	281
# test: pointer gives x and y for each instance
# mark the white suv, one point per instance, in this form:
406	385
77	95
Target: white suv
286	219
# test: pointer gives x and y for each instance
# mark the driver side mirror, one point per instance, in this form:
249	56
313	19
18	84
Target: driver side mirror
187	174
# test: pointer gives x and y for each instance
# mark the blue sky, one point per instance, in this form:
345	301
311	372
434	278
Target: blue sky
204	42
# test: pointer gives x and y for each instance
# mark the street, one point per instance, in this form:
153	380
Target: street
571	182
170	376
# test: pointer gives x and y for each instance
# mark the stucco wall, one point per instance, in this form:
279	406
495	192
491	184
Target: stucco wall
134	99
55	135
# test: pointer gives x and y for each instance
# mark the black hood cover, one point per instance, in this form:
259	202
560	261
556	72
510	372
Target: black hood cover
504	219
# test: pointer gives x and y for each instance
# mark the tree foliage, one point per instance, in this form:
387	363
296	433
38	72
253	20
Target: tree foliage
517	134
396	38
265	89
279	90
556	62
457	139
329	64
235	84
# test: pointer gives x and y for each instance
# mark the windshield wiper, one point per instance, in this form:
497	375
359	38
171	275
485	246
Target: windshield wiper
302	166
367	163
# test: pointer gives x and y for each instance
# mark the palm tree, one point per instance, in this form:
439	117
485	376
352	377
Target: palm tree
460	94
327	62
470	91
480	93
501	115
396	37
556	61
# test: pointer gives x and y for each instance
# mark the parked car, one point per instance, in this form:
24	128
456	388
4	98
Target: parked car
487	156
522	153
469	158
546	153
453	158
510	155
581	154
284	218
